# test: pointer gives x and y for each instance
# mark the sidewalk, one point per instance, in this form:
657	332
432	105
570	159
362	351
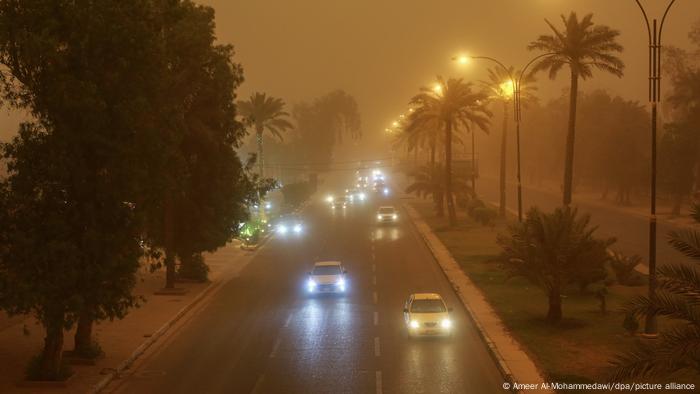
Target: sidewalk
515	364
21	338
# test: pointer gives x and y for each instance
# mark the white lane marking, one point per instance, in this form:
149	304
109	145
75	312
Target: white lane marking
374	280
375	297
275	348
289	320
378	381
258	384
373	257
376	318
374	267
377	350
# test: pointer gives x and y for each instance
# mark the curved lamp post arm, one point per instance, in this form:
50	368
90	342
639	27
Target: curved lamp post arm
510	75
520	78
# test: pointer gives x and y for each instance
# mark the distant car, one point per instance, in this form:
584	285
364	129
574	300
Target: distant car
355	195
289	224
339	203
387	214
427	314
327	277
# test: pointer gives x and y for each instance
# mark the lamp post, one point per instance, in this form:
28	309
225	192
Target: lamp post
654	83
517	115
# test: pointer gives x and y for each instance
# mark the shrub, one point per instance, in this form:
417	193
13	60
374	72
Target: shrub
624	268
484	215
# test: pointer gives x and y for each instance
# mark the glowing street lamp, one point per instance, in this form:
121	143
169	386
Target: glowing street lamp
437	88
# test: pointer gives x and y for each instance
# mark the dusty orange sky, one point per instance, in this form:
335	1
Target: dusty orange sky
382	51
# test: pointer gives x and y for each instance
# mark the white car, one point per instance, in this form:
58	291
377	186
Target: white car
327	277
387	214
427	314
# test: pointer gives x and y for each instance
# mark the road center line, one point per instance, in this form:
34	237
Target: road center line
373	257
374	267
378	381
375	297
273	353
289	320
376	318
374	280
377	350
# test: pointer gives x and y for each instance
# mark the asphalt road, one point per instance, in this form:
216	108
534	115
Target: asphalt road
262	334
631	231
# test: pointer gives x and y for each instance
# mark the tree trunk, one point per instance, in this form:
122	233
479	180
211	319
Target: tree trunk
502	180
570	137
83	335
554	313
451	213
52	353
261	171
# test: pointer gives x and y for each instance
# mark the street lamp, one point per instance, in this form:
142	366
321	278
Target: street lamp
654	37
515	84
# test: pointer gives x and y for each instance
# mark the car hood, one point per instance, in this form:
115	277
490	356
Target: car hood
428	317
326	279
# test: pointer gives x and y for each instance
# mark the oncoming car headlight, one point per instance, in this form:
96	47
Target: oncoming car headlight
414	324
297	228
379	217
329	198
446	324
394	216
282	229
311	284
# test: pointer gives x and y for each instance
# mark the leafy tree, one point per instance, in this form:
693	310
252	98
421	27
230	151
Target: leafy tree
456	107
265	113
677	298
582	47
203	188
500	87
84	74
552	250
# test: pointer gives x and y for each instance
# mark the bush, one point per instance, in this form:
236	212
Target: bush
193	268
484	215
624	268
33	371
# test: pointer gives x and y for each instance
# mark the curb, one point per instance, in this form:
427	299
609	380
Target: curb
124	365
491	346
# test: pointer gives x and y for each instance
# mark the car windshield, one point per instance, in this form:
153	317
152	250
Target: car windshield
427	306
326	270
386	210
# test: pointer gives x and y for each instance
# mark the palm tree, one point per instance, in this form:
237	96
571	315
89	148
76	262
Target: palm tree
582	46
500	88
452	105
264	113
678	298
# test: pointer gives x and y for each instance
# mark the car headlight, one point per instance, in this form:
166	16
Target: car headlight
297	228
329	199
394	216
340	282
311	284
414	324
282	229
362	196
379	217
386	191
446	324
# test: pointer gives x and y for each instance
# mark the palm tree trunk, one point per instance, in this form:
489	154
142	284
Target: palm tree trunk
570	137
451	213
168	224
554	312
502	180
261	172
